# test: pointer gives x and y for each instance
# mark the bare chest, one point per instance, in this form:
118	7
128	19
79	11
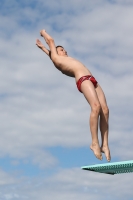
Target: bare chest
67	63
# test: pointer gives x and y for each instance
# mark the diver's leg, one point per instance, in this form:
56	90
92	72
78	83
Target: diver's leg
90	94
104	126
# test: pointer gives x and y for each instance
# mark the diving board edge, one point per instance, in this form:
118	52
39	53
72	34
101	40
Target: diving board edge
111	168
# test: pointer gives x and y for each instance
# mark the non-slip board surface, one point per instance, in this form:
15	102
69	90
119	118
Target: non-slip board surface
112	168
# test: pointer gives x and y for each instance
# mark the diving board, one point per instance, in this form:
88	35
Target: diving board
112	168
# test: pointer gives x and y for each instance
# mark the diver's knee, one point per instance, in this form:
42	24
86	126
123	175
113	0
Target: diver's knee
105	110
96	108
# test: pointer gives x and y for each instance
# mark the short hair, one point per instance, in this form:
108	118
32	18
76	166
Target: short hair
59	46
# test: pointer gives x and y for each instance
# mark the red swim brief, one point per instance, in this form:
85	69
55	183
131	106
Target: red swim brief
83	78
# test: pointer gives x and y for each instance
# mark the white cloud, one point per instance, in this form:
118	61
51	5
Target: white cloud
72	183
6	179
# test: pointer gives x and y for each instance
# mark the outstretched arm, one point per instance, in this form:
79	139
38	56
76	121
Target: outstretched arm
42	47
50	41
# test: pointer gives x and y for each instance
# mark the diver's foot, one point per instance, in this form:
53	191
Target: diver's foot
97	151
105	149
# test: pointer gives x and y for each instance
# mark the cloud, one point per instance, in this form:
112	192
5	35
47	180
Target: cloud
6	179
71	183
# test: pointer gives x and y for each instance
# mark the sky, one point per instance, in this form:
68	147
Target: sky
44	120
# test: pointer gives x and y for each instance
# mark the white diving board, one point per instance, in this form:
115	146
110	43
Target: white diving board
112	168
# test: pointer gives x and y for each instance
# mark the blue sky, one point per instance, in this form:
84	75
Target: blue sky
44	132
